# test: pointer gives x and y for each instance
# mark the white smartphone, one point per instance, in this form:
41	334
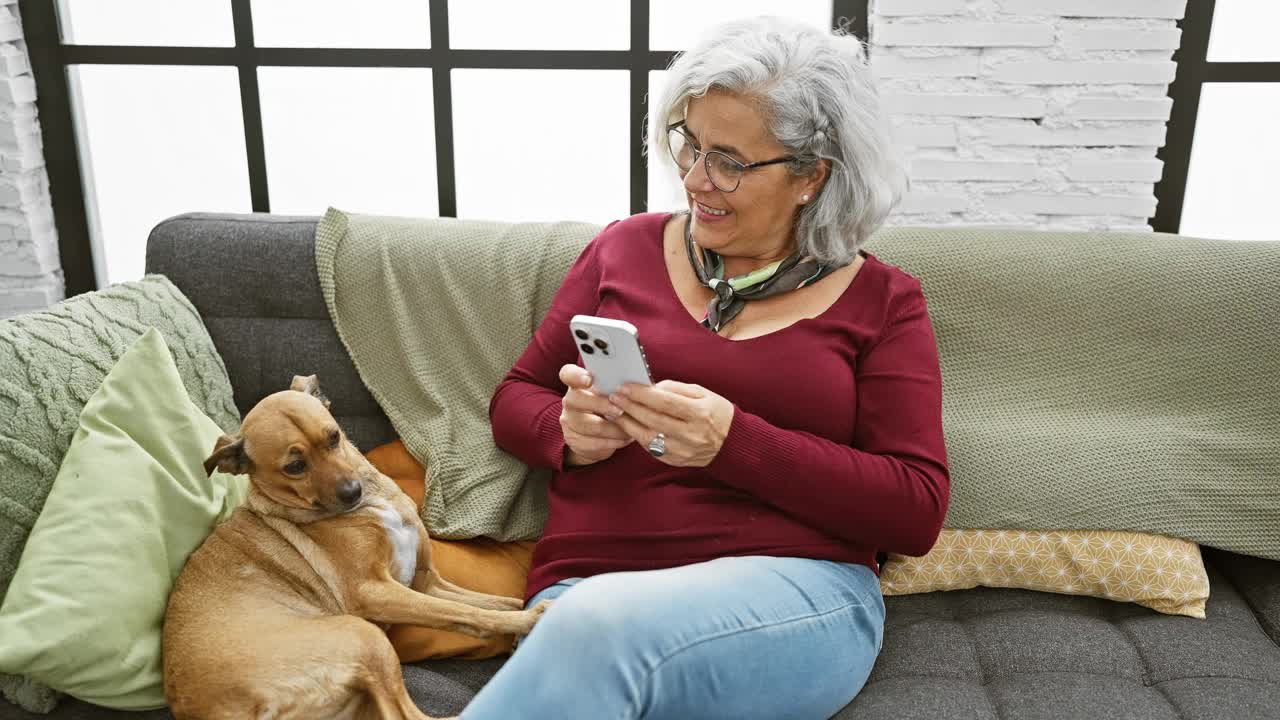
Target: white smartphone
610	351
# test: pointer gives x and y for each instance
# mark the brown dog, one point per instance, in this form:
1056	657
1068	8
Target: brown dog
281	612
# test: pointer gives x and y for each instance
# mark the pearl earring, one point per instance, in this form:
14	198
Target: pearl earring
804	198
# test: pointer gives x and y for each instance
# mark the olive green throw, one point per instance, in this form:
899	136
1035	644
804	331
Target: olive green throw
434	313
1106	380
1094	381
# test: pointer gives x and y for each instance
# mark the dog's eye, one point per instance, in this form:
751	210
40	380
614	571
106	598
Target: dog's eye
334	438
296	467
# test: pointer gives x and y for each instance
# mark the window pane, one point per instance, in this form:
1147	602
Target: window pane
666	192
1235	163
342	23
147	22
1244	31
542	25
359	139
676	24
526	147
158	141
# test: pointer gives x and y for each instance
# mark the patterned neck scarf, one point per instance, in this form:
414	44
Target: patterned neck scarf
791	273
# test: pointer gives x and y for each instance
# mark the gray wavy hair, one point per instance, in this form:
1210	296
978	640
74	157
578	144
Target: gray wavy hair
820	102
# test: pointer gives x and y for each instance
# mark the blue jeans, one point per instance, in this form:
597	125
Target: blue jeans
737	637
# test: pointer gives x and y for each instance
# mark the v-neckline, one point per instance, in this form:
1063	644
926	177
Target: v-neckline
674	294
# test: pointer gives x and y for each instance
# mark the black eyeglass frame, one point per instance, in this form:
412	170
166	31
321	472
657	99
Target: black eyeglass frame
706	158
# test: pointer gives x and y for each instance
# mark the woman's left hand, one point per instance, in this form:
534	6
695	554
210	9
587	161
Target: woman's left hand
693	420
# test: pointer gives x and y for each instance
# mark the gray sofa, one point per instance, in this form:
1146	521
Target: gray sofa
980	653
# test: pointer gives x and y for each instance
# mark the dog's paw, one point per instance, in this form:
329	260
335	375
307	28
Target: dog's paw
531	616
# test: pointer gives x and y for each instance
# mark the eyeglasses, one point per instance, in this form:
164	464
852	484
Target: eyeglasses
725	172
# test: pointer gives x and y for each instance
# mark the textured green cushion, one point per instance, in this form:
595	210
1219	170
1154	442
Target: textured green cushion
131	501
52	361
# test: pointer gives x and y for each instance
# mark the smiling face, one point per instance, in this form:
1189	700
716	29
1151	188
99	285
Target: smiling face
295	454
756	221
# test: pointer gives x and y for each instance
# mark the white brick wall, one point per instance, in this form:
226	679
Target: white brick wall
1028	113
30	272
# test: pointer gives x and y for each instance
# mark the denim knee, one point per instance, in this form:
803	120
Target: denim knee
588	622
584	636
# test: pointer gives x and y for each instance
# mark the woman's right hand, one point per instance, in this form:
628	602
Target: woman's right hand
586	417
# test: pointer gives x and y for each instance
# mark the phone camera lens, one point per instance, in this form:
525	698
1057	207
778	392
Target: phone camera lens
587	349
582	334
601	344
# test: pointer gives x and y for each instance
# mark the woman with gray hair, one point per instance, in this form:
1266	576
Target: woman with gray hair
712	539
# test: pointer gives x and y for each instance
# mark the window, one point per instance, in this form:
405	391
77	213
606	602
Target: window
556	25
197	23
159	140
354	138
1222	150
408	107
563	161
333	24
426	107
1235	163
676	24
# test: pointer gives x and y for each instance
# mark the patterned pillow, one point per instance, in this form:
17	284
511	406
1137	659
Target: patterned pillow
1162	573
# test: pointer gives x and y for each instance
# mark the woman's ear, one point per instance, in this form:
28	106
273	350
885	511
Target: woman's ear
814	183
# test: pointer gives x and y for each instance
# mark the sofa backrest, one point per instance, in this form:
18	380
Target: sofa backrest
253	279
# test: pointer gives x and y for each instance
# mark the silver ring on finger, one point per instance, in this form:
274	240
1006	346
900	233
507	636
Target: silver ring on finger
658	445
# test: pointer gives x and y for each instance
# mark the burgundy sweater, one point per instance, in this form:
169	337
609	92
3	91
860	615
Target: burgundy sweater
835	450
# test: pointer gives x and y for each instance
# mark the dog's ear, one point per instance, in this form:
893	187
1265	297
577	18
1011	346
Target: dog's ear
309	385
228	456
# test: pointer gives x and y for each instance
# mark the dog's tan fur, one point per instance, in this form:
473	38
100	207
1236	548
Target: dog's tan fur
281	613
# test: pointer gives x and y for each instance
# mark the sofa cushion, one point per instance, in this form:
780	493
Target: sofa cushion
481	564
965	653
439	687
1259	584
999	653
50	363
131	501
1164	574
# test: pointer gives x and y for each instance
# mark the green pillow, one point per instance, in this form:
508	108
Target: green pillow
130	502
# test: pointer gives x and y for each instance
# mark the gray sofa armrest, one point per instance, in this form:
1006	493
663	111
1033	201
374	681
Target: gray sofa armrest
253	279
1257	580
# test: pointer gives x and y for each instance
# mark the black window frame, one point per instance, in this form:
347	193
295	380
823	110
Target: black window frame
50	59
1194	70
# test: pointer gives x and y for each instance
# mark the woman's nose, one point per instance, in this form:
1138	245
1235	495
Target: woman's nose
696	179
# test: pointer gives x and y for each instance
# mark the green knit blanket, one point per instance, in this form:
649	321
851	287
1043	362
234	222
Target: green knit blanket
51	362
1106	381
1090	380
434	313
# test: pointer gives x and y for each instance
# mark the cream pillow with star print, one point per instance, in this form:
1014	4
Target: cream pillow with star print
1162	573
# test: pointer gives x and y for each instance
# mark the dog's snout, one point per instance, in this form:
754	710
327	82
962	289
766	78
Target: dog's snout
349	491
